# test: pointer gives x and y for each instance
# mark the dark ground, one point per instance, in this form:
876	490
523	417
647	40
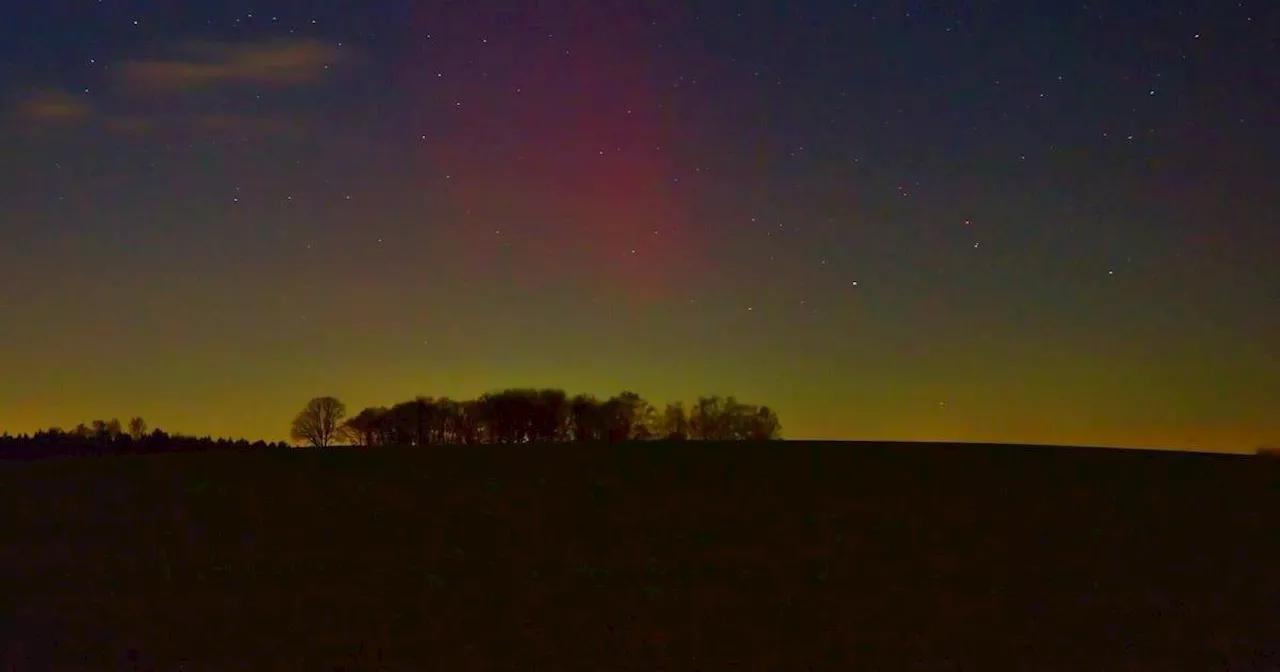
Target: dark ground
678	557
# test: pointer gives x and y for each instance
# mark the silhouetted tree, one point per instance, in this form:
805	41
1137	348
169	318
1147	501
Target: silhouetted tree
424	418
585	418
766	426
726	419
411	421
735	421
675	422
509	416
137	428
622	416
502	416
707	418
54	442
645	422
614	420
319	423
446	421
551	416
368	427
470	422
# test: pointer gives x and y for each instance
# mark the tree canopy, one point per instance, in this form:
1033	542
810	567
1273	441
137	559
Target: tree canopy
100	438
551	416
513	416
319	423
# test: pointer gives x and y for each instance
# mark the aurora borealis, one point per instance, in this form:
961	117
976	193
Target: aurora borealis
1042	223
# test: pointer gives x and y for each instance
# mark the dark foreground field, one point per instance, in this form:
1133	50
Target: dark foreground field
678	557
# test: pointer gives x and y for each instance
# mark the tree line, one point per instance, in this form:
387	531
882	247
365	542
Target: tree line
532	416
507	417
111	437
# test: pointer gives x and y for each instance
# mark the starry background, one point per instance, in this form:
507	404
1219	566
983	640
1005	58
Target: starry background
1040	222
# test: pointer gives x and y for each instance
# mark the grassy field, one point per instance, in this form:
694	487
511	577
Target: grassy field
665	556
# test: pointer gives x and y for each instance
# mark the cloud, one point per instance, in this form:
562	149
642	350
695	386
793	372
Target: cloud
279	62
53	105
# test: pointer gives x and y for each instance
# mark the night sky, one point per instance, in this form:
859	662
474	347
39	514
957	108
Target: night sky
1041	222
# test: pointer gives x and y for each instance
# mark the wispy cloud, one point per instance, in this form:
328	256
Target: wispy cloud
53	106
148	96
278	62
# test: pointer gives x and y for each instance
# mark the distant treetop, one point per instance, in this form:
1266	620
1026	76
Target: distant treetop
533	416
109	437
